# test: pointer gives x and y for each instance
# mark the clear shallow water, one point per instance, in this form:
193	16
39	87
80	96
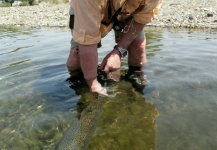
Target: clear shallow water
176	111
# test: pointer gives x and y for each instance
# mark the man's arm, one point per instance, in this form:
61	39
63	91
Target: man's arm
134	30
113	60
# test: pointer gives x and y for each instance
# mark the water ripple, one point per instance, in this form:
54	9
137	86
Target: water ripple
36	100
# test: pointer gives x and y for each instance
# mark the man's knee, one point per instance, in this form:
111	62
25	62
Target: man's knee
137	46
73	59
137	53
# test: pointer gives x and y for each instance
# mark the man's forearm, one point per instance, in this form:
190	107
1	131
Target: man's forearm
88	60
134	30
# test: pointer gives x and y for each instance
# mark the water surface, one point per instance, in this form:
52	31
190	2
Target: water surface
176	111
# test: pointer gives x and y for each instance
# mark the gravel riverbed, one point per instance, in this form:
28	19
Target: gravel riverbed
200	14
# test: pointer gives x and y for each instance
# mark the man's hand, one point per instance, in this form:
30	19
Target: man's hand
111	62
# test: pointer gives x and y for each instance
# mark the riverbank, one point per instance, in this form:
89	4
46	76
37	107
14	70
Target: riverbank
200	14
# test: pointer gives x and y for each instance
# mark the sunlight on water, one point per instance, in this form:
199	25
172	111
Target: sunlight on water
176	111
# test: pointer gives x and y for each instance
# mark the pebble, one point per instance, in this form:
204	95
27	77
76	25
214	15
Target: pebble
179	14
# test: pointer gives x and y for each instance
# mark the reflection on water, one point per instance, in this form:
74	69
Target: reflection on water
38	106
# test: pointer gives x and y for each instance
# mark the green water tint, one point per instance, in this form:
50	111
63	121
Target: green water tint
24	123
12	31
124	121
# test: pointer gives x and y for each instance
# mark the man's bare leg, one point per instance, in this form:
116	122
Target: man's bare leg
137	53
73	61
137	61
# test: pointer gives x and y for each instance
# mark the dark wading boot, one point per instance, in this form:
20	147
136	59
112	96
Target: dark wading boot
76	77
136	76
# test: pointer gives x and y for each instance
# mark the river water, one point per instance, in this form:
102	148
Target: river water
177	110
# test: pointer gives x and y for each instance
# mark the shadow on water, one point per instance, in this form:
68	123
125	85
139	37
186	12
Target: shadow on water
38	107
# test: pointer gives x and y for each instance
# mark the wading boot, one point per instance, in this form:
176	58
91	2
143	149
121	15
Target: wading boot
76	77
136	76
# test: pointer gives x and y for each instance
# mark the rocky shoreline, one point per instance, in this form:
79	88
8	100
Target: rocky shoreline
187	14
200	14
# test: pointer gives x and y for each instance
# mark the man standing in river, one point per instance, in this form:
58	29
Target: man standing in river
92	20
